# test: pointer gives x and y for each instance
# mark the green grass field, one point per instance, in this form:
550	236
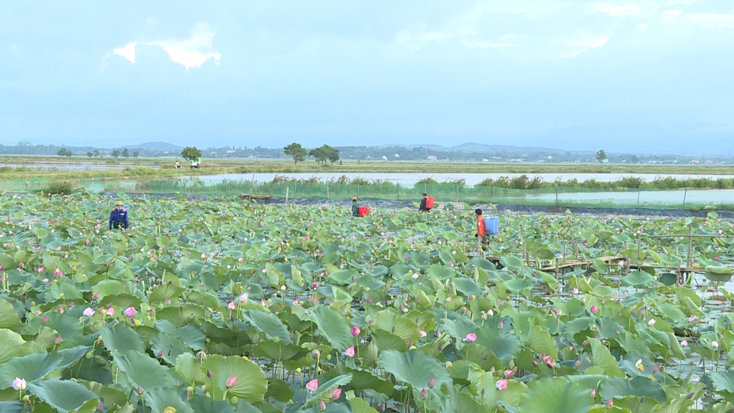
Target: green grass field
140	167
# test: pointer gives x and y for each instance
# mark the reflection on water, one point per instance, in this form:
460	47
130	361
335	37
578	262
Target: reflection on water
471	178
73	166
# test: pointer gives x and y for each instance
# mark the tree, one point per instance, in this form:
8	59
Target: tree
333	155
64	152
325	153
190	153
296	151
96	152
90	154
136	154
601	156
115	153
125	153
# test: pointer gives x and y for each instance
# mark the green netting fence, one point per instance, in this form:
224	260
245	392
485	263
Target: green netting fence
387	190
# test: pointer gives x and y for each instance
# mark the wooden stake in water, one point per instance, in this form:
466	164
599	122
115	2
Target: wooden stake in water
286	194
690	244
327	191
685	193
252	182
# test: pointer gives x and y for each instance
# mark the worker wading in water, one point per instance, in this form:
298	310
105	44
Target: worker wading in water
118	216
355	207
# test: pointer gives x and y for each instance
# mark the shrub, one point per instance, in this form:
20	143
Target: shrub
59	188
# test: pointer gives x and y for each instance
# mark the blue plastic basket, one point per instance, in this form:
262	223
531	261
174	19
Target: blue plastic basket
493	225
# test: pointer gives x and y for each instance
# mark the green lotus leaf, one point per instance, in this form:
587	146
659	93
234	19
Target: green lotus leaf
250	385
555	396
268	324
31	367
62	395
415	368
333	326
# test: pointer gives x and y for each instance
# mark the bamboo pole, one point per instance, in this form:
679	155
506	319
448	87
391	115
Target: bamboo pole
690	244
286	194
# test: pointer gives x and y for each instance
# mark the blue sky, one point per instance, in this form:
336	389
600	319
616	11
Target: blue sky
628	76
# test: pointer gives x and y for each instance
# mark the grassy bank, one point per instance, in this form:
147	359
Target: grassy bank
142	167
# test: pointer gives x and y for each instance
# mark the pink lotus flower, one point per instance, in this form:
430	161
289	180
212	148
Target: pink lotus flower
509	373
19	384
129	312
244	297
355	331
88	312
594	310
336	394
471	337
312	385
231	381
502	384
349	352
111	312
231	305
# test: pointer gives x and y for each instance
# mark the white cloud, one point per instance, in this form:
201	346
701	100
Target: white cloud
191	52
616	10
127	51
705	20
583	44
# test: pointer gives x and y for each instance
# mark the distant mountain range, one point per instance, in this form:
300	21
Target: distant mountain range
156	146
483	148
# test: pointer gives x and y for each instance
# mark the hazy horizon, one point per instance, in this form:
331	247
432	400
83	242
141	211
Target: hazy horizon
646	76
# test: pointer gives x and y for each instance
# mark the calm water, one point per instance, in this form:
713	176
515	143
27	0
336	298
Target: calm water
471	178
73	166
672	197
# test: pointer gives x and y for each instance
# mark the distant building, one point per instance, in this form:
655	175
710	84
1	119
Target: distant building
485	160
384	158
230	150
397	156
432	158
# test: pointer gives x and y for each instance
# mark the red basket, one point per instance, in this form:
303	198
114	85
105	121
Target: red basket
364	211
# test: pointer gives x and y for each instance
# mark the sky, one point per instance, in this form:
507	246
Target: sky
649	76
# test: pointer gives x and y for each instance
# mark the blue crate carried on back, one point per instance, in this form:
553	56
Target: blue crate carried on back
493	225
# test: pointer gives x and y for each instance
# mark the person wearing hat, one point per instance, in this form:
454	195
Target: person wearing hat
118	216
423	207
355	207
481	226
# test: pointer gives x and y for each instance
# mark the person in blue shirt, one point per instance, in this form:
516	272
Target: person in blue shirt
118	216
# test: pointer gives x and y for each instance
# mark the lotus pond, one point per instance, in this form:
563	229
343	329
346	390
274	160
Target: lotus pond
225	306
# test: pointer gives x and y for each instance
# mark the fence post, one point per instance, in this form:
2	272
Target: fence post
556	193
327	191
398	185
685	193
357	190
639	189
690	245
286	194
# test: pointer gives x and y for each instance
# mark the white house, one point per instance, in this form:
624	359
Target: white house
432	158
